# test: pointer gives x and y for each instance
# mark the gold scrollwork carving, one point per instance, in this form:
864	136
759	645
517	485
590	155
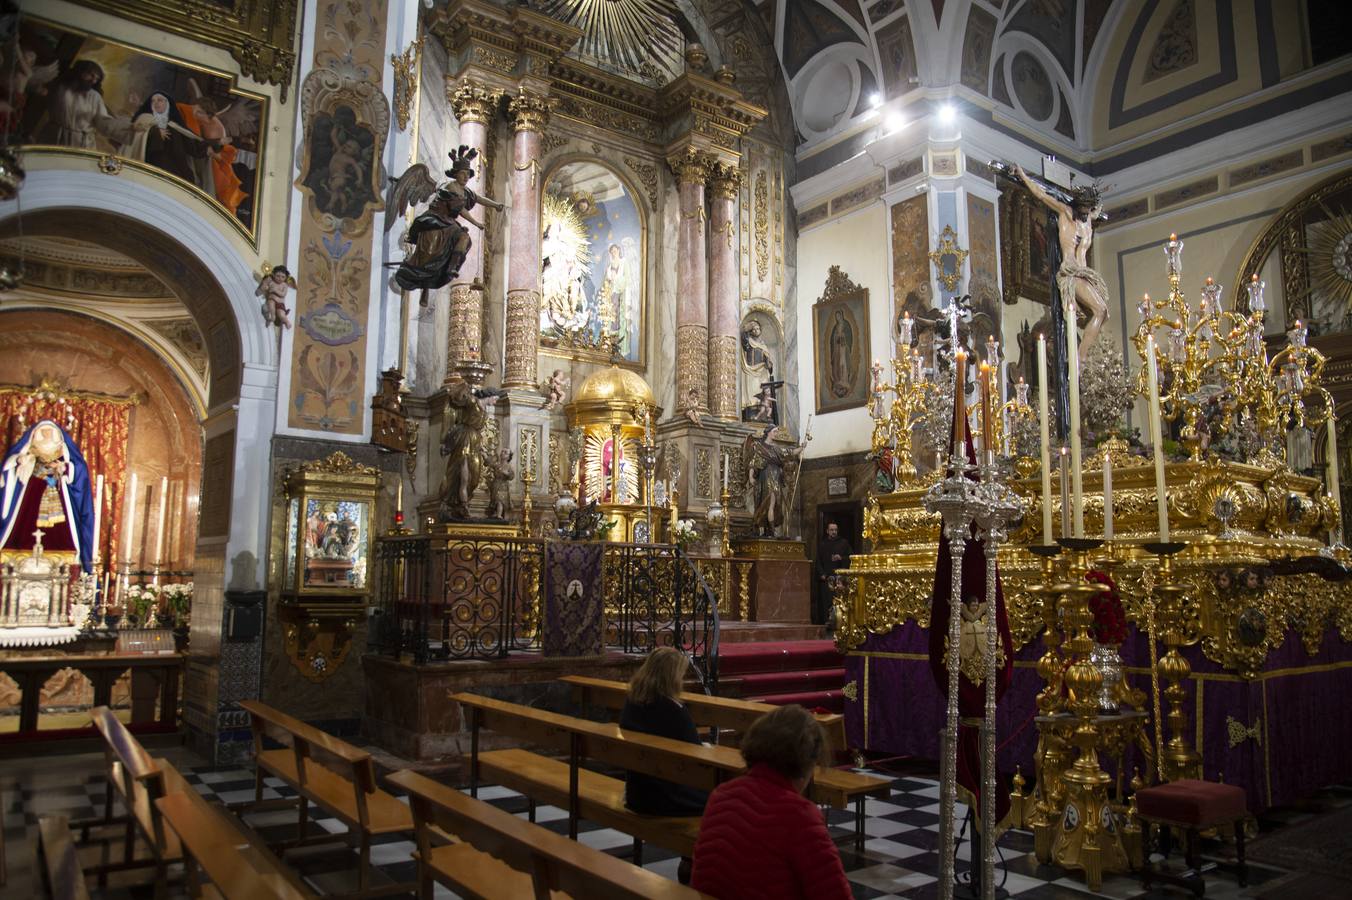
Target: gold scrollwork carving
703	473
948	258
692	367
692	166
1237	732
724	180
522	330
493	59
110	165
406	81
762	227
647	176
723	376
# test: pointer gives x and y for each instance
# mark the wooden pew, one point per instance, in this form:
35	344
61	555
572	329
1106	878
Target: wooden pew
707	712
138	780
61	872
502	856
600	798
332	774
237	863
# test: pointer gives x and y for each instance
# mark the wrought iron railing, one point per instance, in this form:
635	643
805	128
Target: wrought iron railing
441	598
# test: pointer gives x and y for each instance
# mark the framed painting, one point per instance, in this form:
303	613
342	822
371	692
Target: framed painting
593	263
79	93
1026	245
840	344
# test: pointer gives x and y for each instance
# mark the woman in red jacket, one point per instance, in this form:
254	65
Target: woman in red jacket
760	837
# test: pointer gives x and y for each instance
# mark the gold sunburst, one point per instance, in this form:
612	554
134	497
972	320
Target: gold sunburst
598	478
566	257
631	34
1329	245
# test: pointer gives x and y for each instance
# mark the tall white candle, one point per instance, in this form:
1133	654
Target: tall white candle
159	521
1334	485
1065	493
1073	366
725	471
1107	496
98	515
1156	437
1046	439
130	501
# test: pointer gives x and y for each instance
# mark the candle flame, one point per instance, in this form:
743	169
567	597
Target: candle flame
1172	236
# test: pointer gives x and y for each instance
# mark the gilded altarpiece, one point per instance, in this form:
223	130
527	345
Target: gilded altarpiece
345	122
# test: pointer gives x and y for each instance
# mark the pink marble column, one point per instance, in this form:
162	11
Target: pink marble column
474	106
530	115
692	285
723	324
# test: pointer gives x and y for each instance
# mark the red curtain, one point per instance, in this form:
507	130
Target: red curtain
99	429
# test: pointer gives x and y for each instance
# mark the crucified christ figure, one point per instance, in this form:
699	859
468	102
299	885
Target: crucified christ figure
1076	281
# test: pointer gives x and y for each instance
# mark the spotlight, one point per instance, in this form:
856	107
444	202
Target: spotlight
947	114
893	122
875	99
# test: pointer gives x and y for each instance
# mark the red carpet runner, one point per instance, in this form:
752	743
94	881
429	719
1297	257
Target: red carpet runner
810	673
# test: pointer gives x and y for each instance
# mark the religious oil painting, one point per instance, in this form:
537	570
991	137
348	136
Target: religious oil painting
340	169
86	94
840	347
336	535
592	264
1027	242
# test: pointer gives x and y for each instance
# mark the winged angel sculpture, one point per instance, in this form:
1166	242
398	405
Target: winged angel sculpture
440	242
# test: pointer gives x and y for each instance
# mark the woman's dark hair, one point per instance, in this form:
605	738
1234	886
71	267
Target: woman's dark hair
788	740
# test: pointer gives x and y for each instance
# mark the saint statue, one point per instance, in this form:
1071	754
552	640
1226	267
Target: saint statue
440	242
758	367
1076	281
770	470
44	486
462	445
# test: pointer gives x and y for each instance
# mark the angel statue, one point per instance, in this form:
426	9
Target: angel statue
556	388
769	471
463	446
272	288
440	242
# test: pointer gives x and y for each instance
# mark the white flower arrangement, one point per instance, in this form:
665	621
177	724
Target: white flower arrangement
685	531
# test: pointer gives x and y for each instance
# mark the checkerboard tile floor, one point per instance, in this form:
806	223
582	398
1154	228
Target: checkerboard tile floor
900	857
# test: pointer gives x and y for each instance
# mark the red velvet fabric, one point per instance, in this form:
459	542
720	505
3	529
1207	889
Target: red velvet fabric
1190	802
760	838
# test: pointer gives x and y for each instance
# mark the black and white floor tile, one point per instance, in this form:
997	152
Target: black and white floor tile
900	857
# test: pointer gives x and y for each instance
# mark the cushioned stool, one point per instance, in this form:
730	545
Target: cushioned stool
1192	806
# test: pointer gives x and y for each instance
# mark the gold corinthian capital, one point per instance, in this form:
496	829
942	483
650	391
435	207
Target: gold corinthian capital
530	111
724	180
472	102
693	166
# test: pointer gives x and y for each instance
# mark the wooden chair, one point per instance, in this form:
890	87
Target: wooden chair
499	855
234	859
335	776
1192	806
138	780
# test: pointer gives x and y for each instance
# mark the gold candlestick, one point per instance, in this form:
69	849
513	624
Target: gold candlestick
1179	759
725	499
1051	757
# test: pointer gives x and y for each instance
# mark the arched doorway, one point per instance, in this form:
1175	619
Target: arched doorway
214	283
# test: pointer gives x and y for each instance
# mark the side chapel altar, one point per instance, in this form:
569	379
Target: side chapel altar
1190	593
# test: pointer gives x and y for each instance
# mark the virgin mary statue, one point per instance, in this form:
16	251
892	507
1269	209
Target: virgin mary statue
44	484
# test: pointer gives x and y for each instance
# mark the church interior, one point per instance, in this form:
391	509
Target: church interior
392	379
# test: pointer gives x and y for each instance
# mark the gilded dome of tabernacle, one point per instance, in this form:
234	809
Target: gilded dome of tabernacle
615	385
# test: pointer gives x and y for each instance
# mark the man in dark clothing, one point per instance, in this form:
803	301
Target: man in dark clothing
833	552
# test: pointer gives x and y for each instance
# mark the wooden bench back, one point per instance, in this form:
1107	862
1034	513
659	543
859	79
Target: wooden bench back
706	711
690	764
138	777
554	862
693	765
312	746
119	744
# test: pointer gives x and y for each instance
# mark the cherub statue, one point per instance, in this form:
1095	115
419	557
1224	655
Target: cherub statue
765	407
500	475
440	242
555	389
691	407
272	288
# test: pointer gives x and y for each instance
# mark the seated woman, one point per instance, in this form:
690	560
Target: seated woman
760	837
652	707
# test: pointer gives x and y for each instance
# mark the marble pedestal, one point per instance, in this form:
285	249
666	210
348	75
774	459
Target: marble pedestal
781	580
